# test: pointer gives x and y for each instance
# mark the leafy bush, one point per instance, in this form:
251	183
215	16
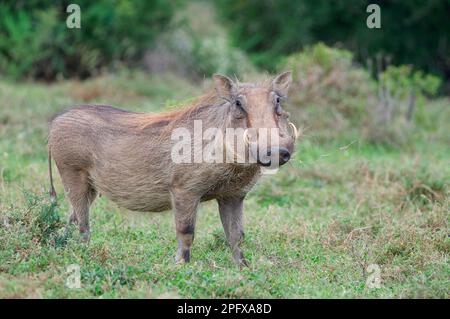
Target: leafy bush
403	80
35	41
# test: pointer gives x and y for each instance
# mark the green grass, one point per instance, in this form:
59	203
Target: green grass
311	230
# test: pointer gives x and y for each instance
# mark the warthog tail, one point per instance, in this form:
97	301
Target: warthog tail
52	191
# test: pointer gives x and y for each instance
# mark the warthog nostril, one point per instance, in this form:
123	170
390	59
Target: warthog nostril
285	156
264	157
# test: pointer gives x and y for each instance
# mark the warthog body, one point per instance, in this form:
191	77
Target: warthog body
126	156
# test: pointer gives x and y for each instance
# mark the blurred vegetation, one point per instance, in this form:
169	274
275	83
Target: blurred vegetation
35	41
328	90
412	32
199	47
337	98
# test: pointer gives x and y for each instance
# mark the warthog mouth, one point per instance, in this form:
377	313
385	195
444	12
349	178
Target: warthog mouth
264	163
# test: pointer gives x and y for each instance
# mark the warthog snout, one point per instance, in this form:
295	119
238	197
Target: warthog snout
273	155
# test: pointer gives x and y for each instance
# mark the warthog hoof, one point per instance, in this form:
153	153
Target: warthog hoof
85	237
183	256
240	260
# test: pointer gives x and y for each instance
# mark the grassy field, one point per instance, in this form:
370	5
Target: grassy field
312	230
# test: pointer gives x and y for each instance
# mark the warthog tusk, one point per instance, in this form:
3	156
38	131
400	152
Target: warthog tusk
245	137
294	129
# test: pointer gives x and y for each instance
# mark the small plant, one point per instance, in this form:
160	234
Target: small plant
45	223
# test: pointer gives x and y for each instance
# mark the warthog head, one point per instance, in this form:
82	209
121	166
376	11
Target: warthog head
257	109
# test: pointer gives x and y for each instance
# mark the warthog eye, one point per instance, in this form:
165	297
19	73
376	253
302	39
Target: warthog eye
240	111
278	109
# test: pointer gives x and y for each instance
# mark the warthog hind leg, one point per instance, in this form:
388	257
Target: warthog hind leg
81	195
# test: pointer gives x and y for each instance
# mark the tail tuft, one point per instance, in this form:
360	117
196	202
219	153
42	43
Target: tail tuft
52	193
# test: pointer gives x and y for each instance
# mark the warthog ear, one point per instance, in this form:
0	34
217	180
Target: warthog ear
281	83
225	87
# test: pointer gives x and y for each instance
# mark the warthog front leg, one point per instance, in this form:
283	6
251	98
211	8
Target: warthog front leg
231	213
185	209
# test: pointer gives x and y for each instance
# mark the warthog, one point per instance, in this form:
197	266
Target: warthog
126	156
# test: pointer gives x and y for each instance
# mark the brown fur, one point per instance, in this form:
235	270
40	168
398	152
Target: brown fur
126	156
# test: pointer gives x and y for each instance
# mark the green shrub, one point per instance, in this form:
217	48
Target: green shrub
35	41
329	94
327	76
401	105
410	88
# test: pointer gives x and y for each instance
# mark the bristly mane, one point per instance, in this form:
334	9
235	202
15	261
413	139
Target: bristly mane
171	117
189	111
